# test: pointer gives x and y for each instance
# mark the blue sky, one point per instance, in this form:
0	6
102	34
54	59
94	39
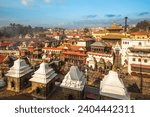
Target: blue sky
72	13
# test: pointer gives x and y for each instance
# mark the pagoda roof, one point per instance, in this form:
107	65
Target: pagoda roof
114	27
19	69
49	48
44	74
102	44
74	79
113	36
112	86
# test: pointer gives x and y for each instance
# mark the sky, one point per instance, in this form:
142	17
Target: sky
72	13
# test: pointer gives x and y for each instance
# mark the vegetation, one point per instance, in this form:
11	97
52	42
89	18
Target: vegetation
143	25
16	30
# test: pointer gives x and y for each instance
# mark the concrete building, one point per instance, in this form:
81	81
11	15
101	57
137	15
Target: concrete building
139	66
140	35
128	42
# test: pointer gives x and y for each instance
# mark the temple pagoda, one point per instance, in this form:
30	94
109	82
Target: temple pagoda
19	75
74	83
43	81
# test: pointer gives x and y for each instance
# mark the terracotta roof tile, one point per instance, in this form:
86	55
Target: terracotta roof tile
2	57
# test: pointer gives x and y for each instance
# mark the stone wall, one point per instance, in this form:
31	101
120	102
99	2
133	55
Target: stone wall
16	82
146	86
77	95
19	83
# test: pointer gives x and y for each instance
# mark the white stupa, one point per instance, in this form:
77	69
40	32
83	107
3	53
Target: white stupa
112	86
74	79
19	69
44	74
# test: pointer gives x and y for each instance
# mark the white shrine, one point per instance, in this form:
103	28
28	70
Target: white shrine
74	83
112	87
19	75
43	81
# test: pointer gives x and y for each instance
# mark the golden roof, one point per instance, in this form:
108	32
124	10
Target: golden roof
113	36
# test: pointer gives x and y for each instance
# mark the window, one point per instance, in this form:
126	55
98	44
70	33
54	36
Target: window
145	60
133	59
139	60
140	43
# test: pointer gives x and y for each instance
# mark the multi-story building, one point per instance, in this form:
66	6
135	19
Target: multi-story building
128	42
74	54
140	35
139	66
77	53
99	50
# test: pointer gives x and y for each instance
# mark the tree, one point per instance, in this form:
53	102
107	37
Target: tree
143	25
85	30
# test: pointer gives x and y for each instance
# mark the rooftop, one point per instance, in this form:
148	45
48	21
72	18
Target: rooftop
74	79
113	36
19	69
102	44
44	74
2	57
140	33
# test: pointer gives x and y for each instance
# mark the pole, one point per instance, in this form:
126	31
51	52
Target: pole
141	78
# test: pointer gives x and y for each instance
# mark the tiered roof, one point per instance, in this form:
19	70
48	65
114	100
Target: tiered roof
100	44
112	86
44	74
74	79
19	69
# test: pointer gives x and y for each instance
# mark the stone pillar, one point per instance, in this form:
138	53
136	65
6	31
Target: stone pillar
17	86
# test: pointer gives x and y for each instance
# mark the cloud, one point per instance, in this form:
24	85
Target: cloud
112	15
47	1
91	16
26	2
143	13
